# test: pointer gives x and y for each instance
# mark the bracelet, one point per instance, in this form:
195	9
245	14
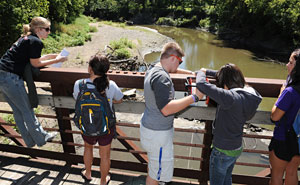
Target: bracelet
195	98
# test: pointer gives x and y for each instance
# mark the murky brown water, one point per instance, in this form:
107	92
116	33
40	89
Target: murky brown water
203	49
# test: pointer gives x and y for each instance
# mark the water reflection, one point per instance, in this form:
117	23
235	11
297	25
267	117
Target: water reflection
202	49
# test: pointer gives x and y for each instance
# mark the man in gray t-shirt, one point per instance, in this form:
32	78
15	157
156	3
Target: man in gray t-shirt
157	121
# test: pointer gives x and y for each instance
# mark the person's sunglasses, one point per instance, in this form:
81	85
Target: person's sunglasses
46	29
180	60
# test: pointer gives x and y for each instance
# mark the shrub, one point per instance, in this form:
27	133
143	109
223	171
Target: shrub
120	47
204	23
93	29
166	21
122	43
122	53
183	22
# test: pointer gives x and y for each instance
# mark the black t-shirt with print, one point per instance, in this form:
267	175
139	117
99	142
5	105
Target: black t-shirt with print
16	58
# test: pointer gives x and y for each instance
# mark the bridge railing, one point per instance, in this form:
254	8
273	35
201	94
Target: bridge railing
62	81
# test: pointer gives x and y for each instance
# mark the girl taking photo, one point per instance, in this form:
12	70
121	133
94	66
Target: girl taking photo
237	103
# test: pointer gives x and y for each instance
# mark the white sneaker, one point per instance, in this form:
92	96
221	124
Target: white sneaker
50	136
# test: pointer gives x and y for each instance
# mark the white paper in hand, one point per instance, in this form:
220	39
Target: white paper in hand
63	53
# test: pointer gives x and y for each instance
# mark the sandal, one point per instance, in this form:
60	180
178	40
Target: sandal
108	177
83	175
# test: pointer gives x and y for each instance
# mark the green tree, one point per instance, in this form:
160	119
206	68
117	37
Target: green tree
15	13
66	10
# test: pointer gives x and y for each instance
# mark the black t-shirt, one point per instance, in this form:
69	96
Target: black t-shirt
20	53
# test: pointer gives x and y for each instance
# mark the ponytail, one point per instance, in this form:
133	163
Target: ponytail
101	83
26	30
100	65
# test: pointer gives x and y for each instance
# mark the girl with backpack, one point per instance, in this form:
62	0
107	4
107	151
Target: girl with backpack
282	157
98	67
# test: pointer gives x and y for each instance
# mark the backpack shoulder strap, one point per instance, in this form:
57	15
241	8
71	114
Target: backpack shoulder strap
296	123
81	84
297	116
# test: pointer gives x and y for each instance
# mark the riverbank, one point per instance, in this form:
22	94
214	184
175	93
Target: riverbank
144	39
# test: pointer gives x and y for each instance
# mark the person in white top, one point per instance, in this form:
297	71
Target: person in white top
98	67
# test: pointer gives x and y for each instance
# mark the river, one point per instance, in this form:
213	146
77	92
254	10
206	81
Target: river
203	49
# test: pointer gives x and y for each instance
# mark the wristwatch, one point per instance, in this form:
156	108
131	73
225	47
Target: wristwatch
195	98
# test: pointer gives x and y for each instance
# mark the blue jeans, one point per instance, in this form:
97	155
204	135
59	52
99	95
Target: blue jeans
13	90
220	168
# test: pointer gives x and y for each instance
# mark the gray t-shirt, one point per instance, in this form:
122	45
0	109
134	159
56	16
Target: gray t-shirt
158	92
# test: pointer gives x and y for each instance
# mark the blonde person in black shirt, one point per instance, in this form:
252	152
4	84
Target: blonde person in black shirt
27	49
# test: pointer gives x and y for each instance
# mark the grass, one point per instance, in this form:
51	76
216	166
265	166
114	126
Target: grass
122	43
123	25
115	24
122	47
9	118
66	35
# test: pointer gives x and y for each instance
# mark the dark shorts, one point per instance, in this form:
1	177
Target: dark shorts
102	140
281	150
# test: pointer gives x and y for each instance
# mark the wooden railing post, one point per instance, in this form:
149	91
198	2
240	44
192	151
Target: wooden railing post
60	89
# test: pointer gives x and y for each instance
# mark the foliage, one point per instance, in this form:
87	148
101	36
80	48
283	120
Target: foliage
15	13
260	20
166	21
204	23
65	11
184	22
263	20
121	46
115	24
68	35
122	53
93	29
9	118
122	43
180	22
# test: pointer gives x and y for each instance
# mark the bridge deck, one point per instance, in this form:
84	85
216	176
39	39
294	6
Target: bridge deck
20	169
